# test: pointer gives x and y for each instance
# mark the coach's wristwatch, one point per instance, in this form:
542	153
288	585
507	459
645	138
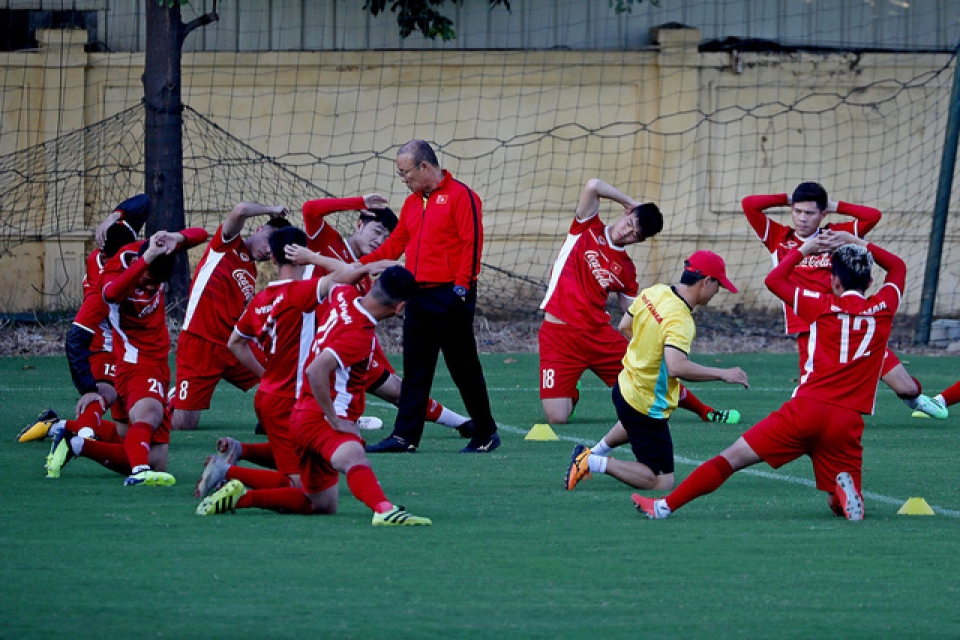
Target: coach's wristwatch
460	291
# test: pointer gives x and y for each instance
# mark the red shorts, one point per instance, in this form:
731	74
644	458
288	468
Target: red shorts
201	364
274	411
379	366
145	379
829	434
566	353
890	359
104	369
316	442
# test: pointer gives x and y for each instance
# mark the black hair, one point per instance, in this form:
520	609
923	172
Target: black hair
119	234
691	278
394	285
277	222
282	238
852	263
420	151
384	216
649	218
162	266
811	192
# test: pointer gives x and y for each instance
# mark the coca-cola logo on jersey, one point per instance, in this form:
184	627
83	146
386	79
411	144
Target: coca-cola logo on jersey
818	261
248	285
602	275
150	308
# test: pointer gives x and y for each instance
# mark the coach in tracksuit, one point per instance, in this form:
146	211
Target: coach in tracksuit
441	232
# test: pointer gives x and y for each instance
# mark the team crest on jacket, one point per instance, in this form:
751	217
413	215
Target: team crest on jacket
247	285
442	198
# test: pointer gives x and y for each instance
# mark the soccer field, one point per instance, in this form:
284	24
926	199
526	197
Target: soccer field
510	552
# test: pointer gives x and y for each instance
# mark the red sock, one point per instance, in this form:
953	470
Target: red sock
112	455
107	432
691	402
434	409
705	479
260	454
258	478
89	418
365	487
951	395
137	444
288	500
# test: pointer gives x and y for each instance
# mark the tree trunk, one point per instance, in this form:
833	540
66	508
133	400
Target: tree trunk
163	129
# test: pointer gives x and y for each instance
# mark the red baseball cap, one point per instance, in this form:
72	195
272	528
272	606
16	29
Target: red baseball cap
707	263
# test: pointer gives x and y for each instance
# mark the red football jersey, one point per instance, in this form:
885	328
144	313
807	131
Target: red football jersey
92	315
137	317
322	238
281	319
588	269
814	271
347	330
848	336
225	280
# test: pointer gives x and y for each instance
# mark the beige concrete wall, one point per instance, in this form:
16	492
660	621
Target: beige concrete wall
643	111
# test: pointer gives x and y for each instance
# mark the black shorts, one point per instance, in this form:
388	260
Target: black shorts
649	437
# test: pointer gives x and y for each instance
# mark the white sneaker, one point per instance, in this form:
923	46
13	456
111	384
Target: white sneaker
369	423
930	407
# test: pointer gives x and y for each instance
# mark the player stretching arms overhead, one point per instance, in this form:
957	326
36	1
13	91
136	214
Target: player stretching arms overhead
324	418
223	283
809	207
88	345
281	319
824	418
374	225
576	334
133	284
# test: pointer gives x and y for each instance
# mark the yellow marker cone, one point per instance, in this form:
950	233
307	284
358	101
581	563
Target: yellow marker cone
541	432
915	507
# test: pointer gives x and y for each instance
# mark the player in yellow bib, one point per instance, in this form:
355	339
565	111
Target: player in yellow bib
662	330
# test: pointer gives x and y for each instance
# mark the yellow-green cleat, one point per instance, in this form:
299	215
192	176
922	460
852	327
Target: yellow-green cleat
399	517
222	500
60	453
150	478
728	416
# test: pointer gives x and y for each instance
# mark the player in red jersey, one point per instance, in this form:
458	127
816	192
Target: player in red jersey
88	344
373	227
324	418
133	286
809	206
280	319
224	281
824	418
576	334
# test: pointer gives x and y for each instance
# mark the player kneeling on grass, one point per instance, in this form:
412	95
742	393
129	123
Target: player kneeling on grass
323	424
824	418
660	323
133	284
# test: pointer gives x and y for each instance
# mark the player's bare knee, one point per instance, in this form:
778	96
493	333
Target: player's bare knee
181	420
556	413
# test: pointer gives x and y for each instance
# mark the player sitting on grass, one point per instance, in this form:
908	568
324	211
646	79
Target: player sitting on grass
323	423
280	319
646	392
133	285
824	417
576	334
374	225
89	341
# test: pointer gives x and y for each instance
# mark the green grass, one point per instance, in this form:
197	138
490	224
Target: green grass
510	553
